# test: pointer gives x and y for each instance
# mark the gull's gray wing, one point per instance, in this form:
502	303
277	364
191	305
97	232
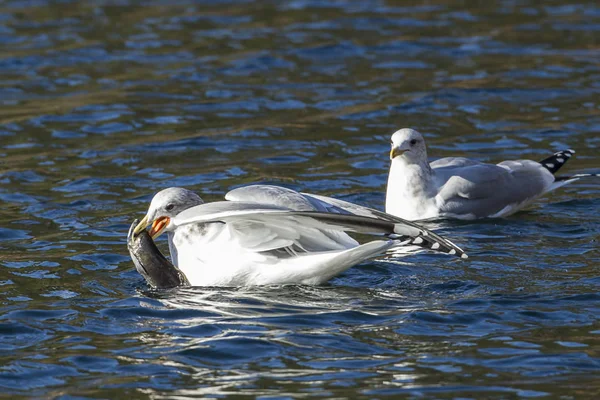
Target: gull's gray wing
432	241
265	227
478	190
288	198
453	162
282	197
345	207
307	228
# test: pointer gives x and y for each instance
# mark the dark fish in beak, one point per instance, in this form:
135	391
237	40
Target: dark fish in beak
159	272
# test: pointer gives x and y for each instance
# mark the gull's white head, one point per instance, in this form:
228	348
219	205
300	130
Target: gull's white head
165	205
408	144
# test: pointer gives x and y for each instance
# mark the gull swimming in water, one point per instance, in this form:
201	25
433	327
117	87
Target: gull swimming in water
457	187
274	235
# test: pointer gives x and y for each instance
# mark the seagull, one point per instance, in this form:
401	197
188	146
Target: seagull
457	187
269	235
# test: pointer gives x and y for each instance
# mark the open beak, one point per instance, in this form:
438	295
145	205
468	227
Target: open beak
158	226
396	151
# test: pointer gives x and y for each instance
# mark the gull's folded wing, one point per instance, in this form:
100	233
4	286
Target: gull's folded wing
350	208
282	197
235	212
485	189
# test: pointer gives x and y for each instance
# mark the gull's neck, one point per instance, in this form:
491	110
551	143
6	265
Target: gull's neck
410	193
172	249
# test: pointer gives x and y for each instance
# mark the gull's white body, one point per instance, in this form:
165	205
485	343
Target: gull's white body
219	258
241	244
272	235
461	188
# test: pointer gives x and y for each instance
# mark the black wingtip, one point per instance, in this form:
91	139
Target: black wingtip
557	160
435	244
427	243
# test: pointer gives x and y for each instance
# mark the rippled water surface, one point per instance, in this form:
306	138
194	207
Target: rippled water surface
106	102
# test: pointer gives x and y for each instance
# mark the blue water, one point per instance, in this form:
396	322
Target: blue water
106	102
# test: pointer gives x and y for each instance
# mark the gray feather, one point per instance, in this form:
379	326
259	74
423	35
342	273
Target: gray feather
272	195
485	189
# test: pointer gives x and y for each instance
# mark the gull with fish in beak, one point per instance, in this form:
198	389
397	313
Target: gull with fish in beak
267	235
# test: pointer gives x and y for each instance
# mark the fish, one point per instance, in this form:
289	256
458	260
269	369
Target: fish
159	272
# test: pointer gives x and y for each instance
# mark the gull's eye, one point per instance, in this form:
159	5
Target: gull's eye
413	142
170	206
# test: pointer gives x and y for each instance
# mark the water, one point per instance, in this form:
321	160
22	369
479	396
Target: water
106	102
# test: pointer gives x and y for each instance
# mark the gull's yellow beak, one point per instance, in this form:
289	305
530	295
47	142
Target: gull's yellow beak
395	152
158	226
141	226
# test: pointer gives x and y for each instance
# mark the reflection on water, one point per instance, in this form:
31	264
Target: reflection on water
105	103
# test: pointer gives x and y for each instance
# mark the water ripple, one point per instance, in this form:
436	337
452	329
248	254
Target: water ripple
104	103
